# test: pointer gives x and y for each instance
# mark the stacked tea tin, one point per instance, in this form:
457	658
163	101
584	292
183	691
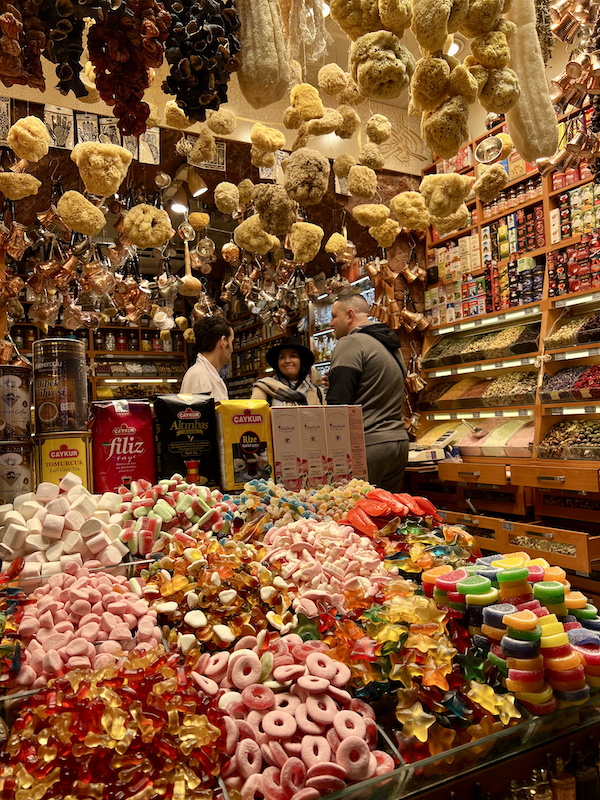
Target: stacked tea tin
16	451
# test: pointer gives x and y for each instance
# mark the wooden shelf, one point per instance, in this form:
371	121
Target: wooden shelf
455	235
482	317
257	344
487	221
583	182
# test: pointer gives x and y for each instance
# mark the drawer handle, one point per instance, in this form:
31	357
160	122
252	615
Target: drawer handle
558	478
467	521
540	535
474	474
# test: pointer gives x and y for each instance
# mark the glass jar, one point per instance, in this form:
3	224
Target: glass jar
502	202
512	197
522	193
121	342
18	338
167	345
531	191
132	341
157	343
110	341
146	343
29	338
98	340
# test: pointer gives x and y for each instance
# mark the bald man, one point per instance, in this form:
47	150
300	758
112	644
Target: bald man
367	369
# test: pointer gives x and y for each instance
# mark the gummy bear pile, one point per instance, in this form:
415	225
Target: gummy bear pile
270	644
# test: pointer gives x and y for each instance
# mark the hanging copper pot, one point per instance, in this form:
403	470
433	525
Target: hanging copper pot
577	143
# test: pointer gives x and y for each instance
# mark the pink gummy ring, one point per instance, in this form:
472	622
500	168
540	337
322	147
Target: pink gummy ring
305	724
349	723
329	768
293	749
271	784
301	651
258	697
315	750
372	766
287	702
245	643
231	735
333	739
237	709
246	671
321	708
312	684
279	725
342	674
293	776
306	794
385	763
288	672
326	784
278	647
339	695
253	788
278	753
245	730
282	661
362	708
354	756
292	639
320	665
207	685
249	758
217	664
372	735
267	755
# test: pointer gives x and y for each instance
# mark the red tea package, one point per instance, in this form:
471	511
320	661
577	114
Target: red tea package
122	443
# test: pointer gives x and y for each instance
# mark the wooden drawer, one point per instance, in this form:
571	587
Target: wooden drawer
474	473
581	549
582	508
513	500
487	531
555	477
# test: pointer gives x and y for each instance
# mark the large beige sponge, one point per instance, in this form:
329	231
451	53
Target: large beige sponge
356	17
362	182
102	166
381	65
489	185
306	176
386	234
249	235
410	210
264	72
371	215
501	91
29	138
447	128
433	20
305	241
443	194
147	226
277	211
454	222
79	214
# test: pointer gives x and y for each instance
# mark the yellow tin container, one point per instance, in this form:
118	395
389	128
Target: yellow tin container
59	453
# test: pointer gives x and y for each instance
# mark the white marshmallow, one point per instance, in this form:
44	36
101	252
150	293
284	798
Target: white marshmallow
20	501
53	526
103	516
46	492
77	491
6	553
85	504
4	509
110	555
34	525
110	501
74	520
55	551
51	568
60	506
31	569
113	531
74	542
41	514
70	481
34	542
116	519
15	517
91	527
36	558
98	542
15	536
120	546
73	557
29	508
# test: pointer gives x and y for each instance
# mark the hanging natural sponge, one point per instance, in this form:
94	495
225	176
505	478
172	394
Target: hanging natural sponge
378	128
267	139
351	94
102	167
175	117
501	91
291	119
433	20
262	158
249	235
482	16
306	176
443	194
489	185
16	186
302	138
305	241
381	65
350	124
343	164
371	156
362	182
429	82
264	66
29	138
395	15
222	122
336	243
154	116
491	50
245	188
277	211
371	215
410	211
356	17
204	148
78	213
386	234
447	128
454	222
147	226
332	79
328	123
463	82
198	220
227	197
305	99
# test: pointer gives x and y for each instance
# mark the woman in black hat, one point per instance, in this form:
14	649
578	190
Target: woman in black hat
291	384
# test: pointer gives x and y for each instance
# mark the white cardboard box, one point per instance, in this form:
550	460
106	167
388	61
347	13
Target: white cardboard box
339	458
357	443
287	447
314	445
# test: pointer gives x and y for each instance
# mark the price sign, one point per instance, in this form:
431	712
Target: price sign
589	409
522	412
453	371
557	412
498	365
501	317
477	368
476	414
524	361
507	526
478	322
453	416
529	311
498	413
560	357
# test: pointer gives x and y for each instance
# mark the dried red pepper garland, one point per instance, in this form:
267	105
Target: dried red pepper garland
201	49
123	46
22	39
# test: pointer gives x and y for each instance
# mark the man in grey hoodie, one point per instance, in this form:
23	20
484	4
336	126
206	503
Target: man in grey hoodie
367	369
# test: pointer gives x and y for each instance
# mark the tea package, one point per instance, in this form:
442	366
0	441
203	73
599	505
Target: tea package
185	437
122	443
245	449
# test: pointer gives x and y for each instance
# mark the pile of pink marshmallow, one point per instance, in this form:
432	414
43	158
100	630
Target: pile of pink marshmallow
81	619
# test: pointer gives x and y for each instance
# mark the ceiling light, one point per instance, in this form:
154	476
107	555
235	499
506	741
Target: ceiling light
326	10
179	203
454	48
196	184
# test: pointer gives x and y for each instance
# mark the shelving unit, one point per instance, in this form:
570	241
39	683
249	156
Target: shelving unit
547	492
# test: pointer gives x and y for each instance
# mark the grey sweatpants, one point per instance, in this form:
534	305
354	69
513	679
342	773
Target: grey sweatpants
386	463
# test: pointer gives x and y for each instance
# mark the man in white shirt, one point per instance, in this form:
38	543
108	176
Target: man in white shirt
214	346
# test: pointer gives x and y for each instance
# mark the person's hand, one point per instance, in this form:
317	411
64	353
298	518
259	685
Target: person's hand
325	381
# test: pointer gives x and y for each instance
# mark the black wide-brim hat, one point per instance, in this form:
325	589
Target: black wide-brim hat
307	359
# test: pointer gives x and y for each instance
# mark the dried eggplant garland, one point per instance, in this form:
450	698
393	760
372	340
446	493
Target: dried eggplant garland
201	49
123	46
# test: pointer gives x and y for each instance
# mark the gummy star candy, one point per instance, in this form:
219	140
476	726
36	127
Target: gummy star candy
483	695
472	666
485	727
415	721
373	613
434	675
505	708
431	613
440	739
456	705
421	642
